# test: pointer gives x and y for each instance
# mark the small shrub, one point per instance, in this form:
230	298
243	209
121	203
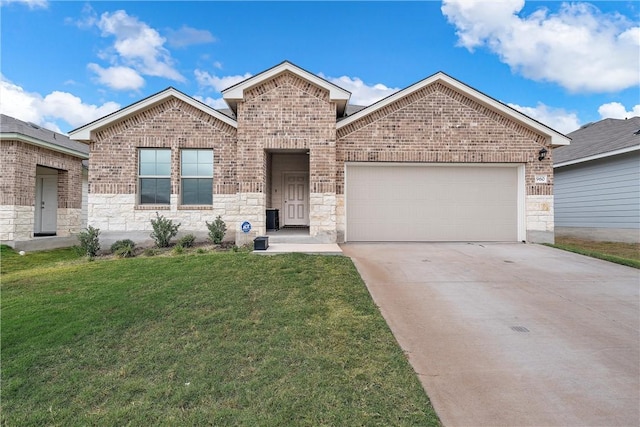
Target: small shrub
187	241
216	230
178	249
201	251
89	241
124	248
151	252
163	231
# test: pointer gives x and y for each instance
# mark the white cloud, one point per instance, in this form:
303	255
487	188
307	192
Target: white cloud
556	118
216	103
579	47
615	110
187	36
218	83
118	78
137	46
361	93
32	4
45	111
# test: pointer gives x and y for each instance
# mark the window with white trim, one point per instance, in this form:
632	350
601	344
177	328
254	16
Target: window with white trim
154	173
196	168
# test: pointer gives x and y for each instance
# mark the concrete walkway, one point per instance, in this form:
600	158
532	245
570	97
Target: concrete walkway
512	334
305	248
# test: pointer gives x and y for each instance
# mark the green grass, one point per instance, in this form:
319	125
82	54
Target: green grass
207	339
620	253
11	261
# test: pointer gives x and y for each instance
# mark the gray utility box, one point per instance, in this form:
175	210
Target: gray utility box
261	243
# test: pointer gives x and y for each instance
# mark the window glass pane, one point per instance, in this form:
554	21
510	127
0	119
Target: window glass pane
189	156
205	156
147	190
205	169
163	191
147	156
163	169
155	162
147	168
189	192
155	190
197	191
205	191
189	169
163	156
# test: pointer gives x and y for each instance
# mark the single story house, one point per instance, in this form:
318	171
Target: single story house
597	188
437	161
43	186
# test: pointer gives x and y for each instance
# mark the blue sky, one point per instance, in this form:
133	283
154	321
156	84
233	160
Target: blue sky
66	63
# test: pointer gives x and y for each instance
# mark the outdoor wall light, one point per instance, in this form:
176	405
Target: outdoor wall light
542	154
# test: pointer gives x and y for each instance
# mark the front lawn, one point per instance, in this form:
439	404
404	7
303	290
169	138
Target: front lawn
620	253
201	339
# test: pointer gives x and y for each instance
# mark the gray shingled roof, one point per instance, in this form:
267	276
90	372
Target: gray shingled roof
10	125
599	138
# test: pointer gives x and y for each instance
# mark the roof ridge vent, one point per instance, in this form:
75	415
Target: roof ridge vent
33	125
586	126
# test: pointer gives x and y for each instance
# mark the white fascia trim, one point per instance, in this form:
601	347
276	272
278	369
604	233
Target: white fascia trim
44	144
598	156
557	139
236	92
84	133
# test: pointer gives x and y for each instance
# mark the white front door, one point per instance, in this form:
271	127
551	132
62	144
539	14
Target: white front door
46	207
295	198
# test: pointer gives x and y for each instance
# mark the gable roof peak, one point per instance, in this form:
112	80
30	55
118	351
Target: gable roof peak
235	93
557	138
84	133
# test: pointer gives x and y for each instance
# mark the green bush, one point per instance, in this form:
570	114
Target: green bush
124	248
216	230
178	249
163	231
151	252
89	241
187	241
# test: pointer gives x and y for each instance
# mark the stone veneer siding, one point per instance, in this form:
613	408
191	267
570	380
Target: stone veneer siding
18	184
113	173
288	113
437	124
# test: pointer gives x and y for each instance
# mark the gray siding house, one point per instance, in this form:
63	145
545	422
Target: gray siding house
597	182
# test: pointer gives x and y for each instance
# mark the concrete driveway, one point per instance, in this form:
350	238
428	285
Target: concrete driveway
512	334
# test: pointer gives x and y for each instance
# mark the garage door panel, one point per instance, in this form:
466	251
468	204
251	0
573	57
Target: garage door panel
431	203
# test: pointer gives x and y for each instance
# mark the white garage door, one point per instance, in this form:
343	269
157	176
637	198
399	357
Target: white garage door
431	203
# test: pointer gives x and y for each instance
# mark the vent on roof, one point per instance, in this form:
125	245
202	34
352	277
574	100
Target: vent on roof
33	125
586	126
637	132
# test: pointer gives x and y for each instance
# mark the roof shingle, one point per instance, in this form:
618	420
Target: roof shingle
599	138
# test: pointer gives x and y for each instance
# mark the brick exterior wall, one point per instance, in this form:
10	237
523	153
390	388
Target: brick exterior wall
113	173
286	113
172	124
439	125
17	189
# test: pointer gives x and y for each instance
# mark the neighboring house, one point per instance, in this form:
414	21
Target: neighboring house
597	188
43	185
437	161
